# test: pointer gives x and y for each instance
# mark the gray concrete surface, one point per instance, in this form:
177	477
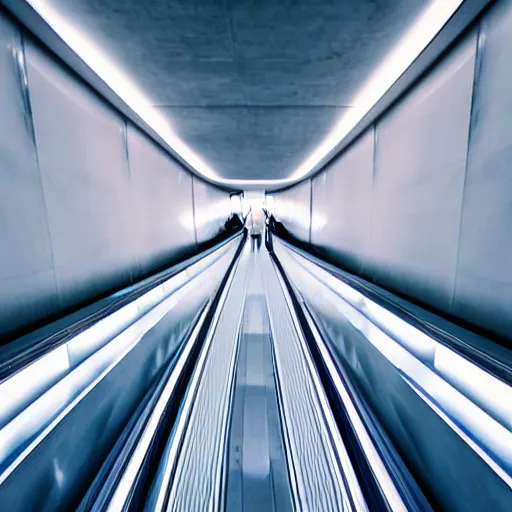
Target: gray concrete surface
252	86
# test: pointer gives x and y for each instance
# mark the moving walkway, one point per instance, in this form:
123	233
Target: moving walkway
242	380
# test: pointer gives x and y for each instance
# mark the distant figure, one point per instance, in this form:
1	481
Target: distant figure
234	223
255	224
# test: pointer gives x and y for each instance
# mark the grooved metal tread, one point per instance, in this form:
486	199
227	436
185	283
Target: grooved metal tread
321	479
197	485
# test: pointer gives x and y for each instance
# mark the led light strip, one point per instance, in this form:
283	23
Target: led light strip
158	501
484	389
18	390
490	434
120	83
27	430
382	475
410	46
122	492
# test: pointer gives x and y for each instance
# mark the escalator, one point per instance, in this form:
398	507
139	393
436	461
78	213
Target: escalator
252	381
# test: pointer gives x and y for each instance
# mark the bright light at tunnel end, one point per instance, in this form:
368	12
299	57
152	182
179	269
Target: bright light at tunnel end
410	46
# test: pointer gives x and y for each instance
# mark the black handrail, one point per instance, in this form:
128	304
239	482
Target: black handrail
21	352
466	348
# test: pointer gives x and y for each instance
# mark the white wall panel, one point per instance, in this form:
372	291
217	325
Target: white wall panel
87	204
163	202
27	282
342	205
212	208
431	216
85	178
419	178
293	208
484	279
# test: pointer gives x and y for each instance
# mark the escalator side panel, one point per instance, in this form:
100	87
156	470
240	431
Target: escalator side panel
428	445
198	483
56	473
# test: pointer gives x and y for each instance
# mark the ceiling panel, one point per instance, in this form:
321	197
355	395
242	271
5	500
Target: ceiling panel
253	86
248	141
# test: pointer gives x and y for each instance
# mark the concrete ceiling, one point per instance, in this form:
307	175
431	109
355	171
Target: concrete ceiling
253	86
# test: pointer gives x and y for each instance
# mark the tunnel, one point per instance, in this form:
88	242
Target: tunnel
255	255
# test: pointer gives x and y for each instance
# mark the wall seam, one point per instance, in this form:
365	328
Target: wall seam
310	209
137	262
125	142
28	104
476	73
194	209
370	256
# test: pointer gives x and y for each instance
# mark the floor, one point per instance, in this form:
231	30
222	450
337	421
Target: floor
257	472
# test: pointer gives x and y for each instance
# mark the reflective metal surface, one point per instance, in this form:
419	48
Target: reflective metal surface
120	494
211	209
384	464
62	436
441	421
88	204
27	282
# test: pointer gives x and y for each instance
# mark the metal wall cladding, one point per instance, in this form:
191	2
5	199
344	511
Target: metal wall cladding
293	208
87	203
420	164
423	204
342	205
429	446
164	223
484	278
84	171
27	281
212	207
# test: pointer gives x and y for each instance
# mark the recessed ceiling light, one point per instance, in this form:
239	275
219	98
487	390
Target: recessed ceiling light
409	47
120	83
425	28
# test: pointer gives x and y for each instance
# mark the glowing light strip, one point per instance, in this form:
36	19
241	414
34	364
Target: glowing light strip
491	394
410	46
120	497
120	83
489	433
20	390
40	417
426	27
